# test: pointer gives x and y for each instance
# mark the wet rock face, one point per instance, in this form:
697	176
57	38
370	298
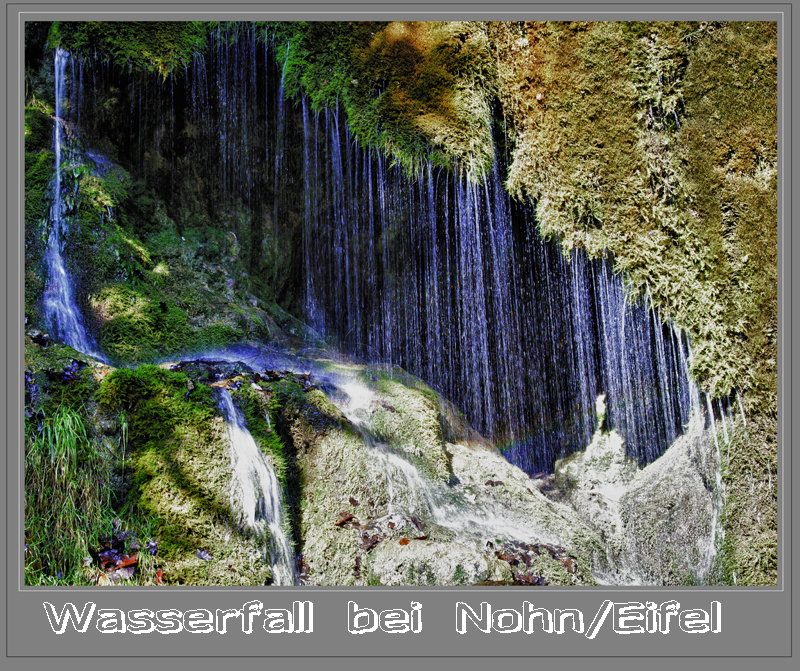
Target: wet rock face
386	500
379	497
427	562
668	512
592	483
657	523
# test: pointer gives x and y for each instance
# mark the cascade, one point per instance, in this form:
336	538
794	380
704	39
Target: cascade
441	274
448	278
411	493
61	311
256	494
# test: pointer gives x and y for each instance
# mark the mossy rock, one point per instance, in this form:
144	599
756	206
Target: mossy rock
424	562
157	46
178	467
418	91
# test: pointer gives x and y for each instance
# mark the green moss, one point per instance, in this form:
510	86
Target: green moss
153	400
152	46
658	142
641	139
257	407
69	490
38	173
135	327
38	129
418	91
178	472
749	551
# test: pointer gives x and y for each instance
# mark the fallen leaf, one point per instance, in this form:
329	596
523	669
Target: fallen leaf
126	561
344	517
126	573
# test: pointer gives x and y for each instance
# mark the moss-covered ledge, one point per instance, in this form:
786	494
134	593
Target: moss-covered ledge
657	142
152	46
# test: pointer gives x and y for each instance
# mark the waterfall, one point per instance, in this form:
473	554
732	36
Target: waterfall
411	493
256	494
440	273
447	277
61	312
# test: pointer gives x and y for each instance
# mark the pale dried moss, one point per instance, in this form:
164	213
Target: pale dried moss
658	143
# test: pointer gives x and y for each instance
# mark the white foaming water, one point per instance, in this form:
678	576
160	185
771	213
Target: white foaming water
256	494
412	494
717	533
61	311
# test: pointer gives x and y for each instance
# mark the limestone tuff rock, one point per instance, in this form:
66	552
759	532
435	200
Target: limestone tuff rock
659	524
405	532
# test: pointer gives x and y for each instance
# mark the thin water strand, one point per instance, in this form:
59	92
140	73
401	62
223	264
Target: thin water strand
256	494
61	311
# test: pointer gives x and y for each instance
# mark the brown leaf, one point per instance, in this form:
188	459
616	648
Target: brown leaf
344	517
404	541
127	561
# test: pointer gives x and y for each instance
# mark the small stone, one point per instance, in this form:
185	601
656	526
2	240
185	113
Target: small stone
38	337
417	522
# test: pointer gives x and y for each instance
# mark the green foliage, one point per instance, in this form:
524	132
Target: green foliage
418	91
151	46
67	496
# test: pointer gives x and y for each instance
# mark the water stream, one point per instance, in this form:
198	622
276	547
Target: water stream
256	494
411	493
61	311
441	274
